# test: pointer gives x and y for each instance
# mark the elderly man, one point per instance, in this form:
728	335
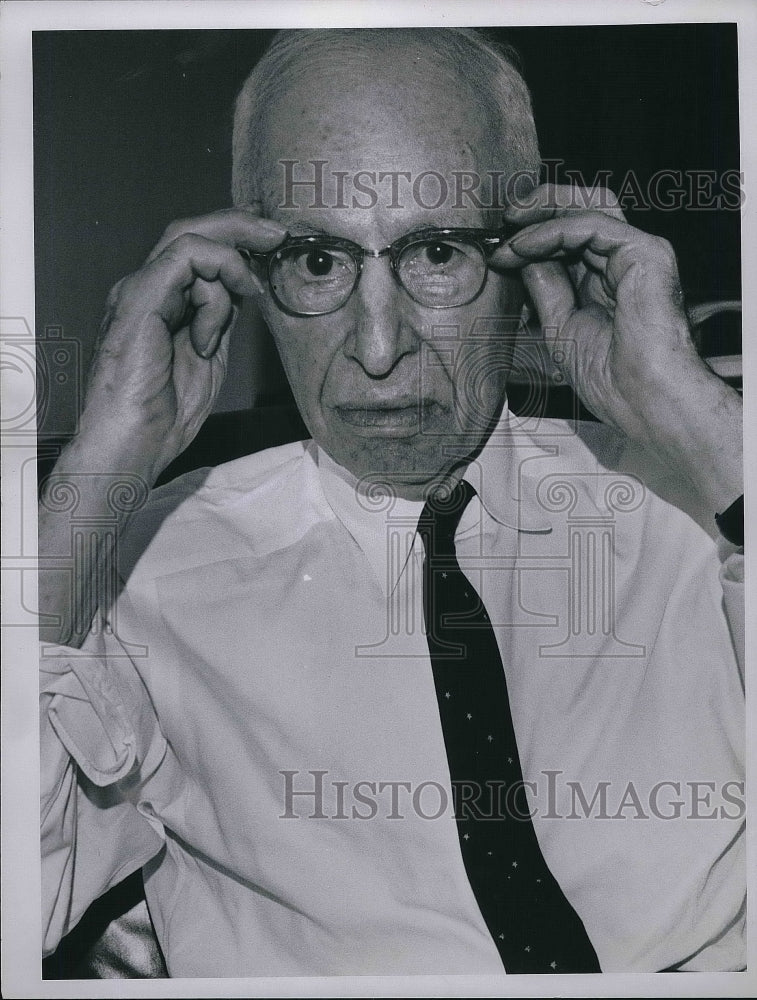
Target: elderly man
440	691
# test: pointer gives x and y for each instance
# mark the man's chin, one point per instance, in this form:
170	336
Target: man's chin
399	466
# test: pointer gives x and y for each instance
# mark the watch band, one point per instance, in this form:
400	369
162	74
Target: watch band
731	522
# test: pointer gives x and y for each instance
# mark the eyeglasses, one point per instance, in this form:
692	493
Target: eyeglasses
438	268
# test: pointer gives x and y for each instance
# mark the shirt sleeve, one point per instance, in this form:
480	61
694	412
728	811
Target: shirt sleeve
732	582
670	487
99	742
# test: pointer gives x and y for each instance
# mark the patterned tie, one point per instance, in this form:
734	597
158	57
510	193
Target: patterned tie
532	923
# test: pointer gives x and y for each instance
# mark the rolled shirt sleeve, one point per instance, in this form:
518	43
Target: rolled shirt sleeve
100	741
732	582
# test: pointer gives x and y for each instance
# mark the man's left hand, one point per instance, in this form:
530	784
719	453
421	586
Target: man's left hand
610	306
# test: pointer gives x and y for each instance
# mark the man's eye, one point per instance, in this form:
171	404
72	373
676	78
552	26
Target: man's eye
319	263
439	253
437	258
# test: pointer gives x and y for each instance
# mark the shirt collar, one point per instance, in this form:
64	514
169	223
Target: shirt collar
384	525
503	478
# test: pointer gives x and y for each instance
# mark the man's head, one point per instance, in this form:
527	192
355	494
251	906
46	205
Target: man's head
400	124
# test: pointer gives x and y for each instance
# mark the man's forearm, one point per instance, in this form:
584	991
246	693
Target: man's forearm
84	505
695	426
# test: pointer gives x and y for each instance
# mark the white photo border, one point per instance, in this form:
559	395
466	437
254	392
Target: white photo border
21	970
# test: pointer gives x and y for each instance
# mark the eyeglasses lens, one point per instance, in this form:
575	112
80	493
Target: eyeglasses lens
312	280
316	279
442	273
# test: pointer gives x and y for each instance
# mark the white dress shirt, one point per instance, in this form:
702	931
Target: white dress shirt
269	641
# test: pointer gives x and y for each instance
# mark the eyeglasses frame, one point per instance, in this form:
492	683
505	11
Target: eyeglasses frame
486	240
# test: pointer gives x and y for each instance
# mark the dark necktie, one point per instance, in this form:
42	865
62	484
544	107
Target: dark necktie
533	925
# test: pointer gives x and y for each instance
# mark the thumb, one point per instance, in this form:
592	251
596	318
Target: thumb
213	317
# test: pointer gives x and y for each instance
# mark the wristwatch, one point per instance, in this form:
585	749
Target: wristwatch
731	522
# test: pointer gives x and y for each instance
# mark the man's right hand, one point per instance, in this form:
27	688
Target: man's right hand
161	354
159	363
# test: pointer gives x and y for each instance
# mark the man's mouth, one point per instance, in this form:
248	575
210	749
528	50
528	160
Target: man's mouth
399	418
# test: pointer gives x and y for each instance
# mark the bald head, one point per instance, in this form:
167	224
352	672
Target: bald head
364	80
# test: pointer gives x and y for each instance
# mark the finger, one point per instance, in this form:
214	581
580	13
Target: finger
551	201
197	381
236	227
553	296
213	317
592	235
190	257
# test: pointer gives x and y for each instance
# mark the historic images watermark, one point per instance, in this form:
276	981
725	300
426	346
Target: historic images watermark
315	794
314	184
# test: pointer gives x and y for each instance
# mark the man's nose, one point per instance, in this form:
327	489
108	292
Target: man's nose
380	334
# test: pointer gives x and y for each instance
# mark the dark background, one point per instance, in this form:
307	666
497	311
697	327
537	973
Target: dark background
133	129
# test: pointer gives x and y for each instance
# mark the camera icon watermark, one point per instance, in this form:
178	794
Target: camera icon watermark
37	372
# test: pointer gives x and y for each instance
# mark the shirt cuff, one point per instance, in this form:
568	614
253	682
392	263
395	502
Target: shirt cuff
732	582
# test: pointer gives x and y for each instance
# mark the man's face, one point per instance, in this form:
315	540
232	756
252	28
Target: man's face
388	387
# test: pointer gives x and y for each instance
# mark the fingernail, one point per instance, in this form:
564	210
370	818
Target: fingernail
273	225
211	347
208	351
255	210
516	241
230	321
259	286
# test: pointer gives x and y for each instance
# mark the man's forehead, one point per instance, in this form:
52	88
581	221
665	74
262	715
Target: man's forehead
376	111
356	134
319	161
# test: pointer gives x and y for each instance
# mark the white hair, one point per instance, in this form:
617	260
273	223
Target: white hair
490	70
